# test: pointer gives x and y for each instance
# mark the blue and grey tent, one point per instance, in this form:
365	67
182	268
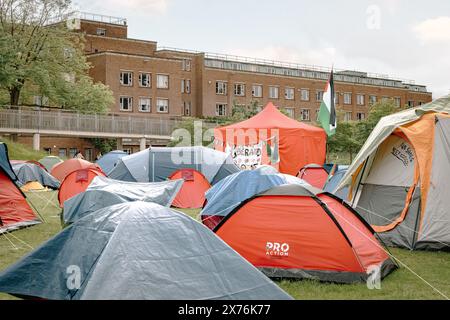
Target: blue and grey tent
50	161
226	195
137	250
109	160
333	182
104	192
30	172
158	163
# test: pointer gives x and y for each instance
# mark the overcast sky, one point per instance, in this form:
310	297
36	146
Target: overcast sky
408	39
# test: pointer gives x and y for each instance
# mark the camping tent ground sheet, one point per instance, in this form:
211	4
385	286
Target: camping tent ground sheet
434	267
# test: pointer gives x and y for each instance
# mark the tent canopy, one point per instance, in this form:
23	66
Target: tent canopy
226	195
30	172
76	182
158	164
108	161
137	250
299	143
333	182
5	164
104	192
314	174
49	161
61	170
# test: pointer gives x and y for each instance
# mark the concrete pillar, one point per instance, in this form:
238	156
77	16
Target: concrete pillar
119	144
143	144
36	141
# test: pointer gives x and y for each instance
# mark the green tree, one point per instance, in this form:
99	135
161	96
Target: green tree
40	54
344	140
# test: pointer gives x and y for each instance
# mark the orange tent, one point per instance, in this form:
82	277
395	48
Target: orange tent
314	174
299	144
62	169
76	182
297	231
192	193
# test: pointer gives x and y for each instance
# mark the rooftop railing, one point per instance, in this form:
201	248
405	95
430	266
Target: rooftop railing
100	18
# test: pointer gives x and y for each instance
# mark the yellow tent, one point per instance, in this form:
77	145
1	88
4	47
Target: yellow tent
33	186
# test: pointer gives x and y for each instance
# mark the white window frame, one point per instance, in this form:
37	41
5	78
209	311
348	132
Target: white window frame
304	91
187	105
290	111
346	96
187	86
398	101
101	32
346	116
291	95
319	95
122	78
224	106
360	99
274	92
372	101
158	105
149	80
302	114
221	87
242	89
141	104
260	89
163	84
130	103
359	118
186	65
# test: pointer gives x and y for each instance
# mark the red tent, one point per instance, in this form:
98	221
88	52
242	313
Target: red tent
76	182
296	231
192	193
299	143
62	169
314	174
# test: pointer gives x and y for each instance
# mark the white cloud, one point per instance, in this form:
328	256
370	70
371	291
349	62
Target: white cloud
435	30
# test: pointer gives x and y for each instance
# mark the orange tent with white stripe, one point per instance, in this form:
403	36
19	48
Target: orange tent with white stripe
400	180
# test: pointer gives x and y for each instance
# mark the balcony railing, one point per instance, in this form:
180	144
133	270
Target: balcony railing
17	119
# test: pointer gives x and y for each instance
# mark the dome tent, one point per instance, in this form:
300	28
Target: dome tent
226	195
50	161
298	143
334	181
314	174
30	172
15	212
104	192
108	161
61	170
159	164
398	181
168	256
296	231
76	182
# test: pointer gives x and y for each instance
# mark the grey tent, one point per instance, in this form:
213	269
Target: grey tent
333	182
49	161
399	181
29	172
109	160
136	250
104	192
158	164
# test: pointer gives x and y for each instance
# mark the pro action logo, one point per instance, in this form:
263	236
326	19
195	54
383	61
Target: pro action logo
277	249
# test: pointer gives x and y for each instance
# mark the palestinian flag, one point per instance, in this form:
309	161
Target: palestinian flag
327	112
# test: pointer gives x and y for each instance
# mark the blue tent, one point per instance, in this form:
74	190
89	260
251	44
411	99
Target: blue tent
333	182
4	162
137	250
104	192
109	160
228	193
29	172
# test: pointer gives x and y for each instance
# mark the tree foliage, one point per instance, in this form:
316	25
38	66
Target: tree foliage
41	56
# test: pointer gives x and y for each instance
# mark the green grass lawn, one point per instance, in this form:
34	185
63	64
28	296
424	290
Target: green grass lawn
434	267
18	151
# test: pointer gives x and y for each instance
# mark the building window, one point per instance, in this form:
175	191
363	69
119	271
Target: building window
397	101
41	101
188	86
162	81
304	94
73	152
304	115
126	78
48	151
185	86
319	95
410	103
347	98
360	99
145	80
239	89
88	154
187	108
420	103
186	64
62	152
372	100
145	104
126	103
289	93
360	116
221	109
385	99
221	87
273	92
257	91
162	105
336	98
348	116
290	112
101	31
